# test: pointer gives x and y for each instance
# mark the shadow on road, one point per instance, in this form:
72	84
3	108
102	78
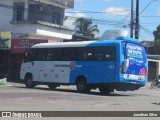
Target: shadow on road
15	81
72	91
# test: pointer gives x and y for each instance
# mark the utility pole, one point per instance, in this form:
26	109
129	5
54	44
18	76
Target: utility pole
137	20
132	19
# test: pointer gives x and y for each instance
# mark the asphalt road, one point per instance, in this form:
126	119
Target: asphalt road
16	97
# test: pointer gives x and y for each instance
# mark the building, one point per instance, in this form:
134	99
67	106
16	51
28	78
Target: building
154	57
35	19
25	23
153	66
113	34
153	69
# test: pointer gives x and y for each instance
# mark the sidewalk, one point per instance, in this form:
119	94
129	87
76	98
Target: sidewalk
13	82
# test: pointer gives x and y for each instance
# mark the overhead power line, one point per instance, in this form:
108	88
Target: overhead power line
94	11
114	23
98	12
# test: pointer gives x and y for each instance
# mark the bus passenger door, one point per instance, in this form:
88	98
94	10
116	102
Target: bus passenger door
62	72
36	71
56	73
45	72
41	71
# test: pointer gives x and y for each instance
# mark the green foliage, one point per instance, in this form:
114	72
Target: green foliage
157	47
156	33
85	27
157	42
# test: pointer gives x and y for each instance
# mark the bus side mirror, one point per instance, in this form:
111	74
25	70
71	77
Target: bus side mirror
126	65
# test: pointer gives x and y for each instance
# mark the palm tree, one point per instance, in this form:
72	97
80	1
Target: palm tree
85	27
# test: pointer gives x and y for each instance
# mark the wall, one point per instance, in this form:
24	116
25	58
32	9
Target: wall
153	69
60	3
5	15
37	30
47	13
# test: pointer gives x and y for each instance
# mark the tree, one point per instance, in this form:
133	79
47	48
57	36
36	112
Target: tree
156	33
85	27
157	47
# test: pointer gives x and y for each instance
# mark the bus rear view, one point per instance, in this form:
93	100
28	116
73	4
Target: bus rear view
133	68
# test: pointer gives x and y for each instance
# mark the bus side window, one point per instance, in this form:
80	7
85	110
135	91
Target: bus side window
100	53
74	57
90	56
57	54
86	54
49	55
107	56
30	56
112	57
73	54
113	54
110	54
65	54
80	55
40	55
98	56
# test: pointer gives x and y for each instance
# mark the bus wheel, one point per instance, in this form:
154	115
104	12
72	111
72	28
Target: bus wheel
82	86
52	86
104	90
29	82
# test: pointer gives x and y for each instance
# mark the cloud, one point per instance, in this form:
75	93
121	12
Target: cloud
116	11
71	18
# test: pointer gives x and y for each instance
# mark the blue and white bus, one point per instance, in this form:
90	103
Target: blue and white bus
109	65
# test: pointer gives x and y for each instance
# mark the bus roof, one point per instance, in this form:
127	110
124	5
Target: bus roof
86	43
127	39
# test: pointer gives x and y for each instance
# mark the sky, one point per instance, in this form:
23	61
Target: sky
116	14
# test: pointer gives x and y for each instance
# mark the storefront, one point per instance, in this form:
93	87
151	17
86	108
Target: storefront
5	49
12	57
19	47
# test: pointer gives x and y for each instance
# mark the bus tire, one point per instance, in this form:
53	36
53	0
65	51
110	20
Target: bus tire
82	86
29	82
104	90
52	86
